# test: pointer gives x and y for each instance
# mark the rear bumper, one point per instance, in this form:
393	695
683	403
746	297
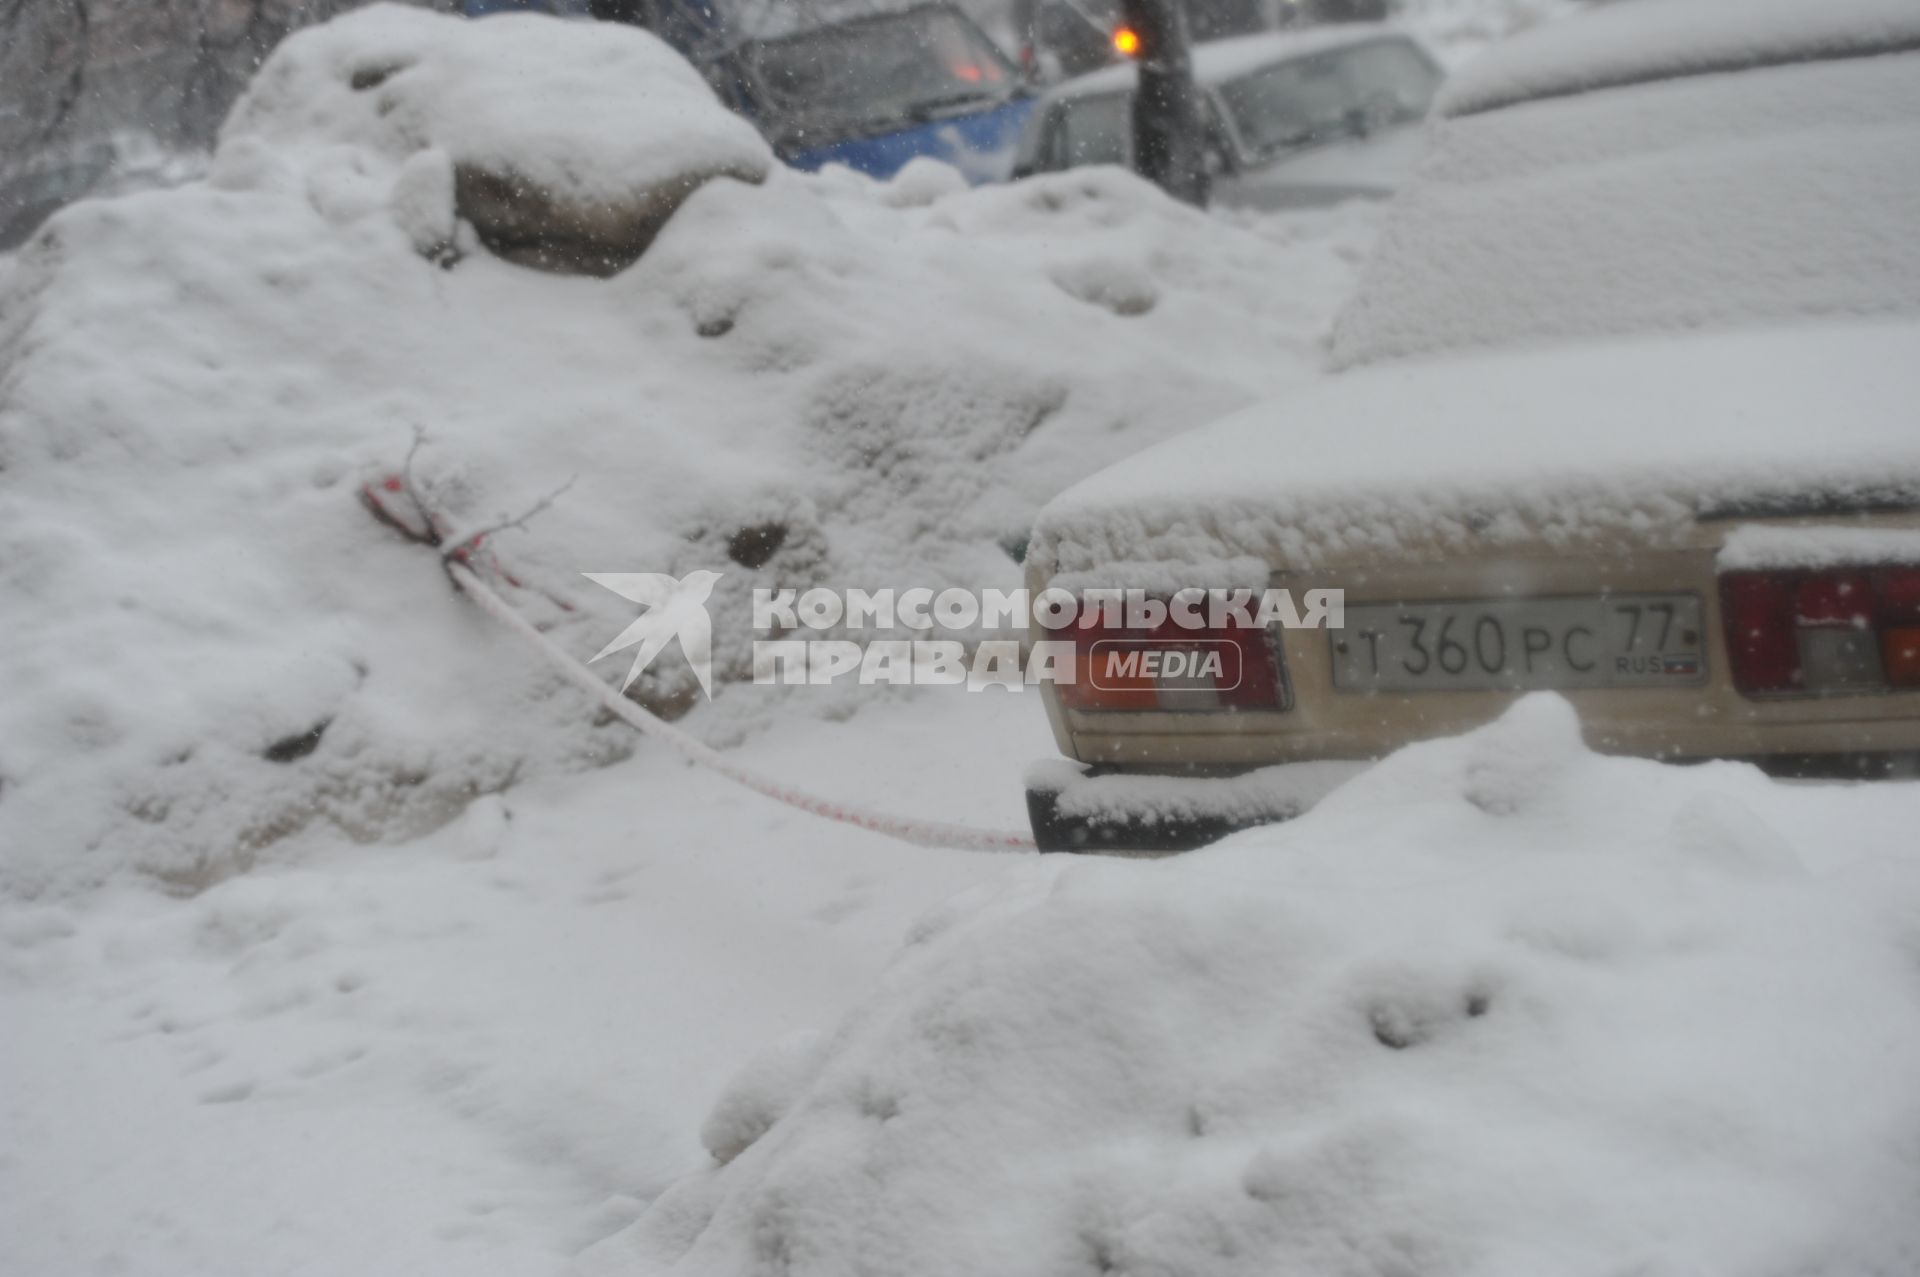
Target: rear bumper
1093	810
1672	728
1124	835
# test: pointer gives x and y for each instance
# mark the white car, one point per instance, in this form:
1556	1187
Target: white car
1293	118
1627	406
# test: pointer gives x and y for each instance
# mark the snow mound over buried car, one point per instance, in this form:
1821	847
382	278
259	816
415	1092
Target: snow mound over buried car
571	153
1501	1006
213	650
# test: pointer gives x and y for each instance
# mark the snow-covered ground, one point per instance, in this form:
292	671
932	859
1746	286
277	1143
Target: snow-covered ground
1498	1006
337	937
476	1052
488	1049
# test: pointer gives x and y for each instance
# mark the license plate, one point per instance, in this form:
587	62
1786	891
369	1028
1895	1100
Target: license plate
1620	640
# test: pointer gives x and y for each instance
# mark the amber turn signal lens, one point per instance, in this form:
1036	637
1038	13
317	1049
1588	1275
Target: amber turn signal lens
1900	655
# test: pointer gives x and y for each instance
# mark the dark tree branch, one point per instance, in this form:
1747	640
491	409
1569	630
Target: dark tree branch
76	81
468	540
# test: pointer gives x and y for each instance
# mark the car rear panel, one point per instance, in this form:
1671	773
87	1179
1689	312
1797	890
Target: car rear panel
1702	717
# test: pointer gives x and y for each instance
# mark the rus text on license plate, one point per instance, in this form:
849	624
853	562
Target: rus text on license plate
1620	640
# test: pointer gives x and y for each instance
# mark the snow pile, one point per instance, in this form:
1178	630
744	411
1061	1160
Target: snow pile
1475	1014
812	380
562	142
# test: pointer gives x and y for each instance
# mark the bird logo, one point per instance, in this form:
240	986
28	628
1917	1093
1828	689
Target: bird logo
676	609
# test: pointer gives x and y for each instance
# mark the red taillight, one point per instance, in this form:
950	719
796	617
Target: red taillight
1757	608
1173	668
1898	592
1818	632
1827	599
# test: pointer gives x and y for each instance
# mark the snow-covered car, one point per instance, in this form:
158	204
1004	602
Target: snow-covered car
1292	118
1076	36
1624	408
875	91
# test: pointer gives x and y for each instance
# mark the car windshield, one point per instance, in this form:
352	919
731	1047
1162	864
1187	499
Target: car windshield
901	68
1305	101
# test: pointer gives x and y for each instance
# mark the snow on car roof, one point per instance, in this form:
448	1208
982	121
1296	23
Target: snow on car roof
1220	60
1428	458
1716	201
1631	43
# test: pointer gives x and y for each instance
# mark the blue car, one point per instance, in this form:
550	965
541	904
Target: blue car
875	92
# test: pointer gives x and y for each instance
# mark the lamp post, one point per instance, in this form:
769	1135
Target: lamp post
1169	135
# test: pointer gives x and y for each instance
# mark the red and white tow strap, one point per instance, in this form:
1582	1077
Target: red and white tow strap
924	833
